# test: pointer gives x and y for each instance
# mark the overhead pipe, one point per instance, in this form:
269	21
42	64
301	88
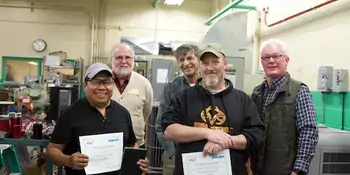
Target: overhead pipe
295	15
247	7
233	4
155	3
222	11
60	8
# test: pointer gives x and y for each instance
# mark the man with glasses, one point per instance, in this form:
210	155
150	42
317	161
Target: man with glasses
132	90
96	114
288	111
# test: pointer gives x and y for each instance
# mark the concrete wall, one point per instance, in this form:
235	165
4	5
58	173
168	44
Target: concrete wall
315	39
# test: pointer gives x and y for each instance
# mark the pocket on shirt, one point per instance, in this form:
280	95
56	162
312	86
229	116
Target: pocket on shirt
133	102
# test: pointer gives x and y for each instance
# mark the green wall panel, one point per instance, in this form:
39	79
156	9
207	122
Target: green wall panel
334	116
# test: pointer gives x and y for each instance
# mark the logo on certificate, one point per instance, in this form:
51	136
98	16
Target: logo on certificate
192	160
217	156
89	142
113	140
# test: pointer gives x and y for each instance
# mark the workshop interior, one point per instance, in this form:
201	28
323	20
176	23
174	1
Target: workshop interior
47	45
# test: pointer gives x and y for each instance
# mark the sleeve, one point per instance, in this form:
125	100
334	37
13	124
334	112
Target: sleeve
172	114
168	146
62	131
132	138
307	129
254	129
147	108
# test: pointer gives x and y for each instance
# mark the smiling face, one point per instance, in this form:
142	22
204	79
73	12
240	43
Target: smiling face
188	63
212	70
99	89
274	60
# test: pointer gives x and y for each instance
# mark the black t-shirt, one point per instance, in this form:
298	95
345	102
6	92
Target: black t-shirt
230	110
81	119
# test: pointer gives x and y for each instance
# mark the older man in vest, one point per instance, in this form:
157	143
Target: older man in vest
288	111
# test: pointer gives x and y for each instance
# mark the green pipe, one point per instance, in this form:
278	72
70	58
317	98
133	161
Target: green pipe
155	3
247	7
222	11
233	4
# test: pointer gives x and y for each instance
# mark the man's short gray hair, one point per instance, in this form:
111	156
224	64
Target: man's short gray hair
185	48
112	54
277	42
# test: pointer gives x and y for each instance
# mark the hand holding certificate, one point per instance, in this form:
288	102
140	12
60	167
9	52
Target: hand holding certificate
105	152
196	164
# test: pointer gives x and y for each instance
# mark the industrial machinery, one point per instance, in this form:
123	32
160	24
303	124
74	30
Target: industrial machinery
158	69
31	100
332	153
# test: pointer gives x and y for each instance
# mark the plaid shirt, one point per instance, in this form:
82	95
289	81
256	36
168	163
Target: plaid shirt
305	120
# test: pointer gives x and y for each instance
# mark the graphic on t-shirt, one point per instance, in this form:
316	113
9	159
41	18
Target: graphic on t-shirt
214	119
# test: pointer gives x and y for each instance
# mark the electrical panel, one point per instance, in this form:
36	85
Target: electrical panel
325	78
340	80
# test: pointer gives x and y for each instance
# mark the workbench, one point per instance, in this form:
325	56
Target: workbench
32	142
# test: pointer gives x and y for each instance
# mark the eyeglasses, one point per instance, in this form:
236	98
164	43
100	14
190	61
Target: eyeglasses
98	82
274	57
121	58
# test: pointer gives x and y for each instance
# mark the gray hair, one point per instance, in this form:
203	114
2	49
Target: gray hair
112	54
277	42
185	48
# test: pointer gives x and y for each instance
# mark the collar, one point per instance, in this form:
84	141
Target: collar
127	79
88	104
275	83
228	87
186	82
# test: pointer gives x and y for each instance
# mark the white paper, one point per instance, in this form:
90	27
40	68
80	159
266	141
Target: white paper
196	164
162	75
105	152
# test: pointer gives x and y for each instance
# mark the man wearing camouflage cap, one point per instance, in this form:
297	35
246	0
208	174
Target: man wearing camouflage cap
213	116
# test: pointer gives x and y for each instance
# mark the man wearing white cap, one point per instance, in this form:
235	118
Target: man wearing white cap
96	114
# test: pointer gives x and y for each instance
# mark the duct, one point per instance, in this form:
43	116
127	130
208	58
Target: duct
62	9
142	46
327	10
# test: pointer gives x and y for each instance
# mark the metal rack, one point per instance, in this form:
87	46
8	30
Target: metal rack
77	70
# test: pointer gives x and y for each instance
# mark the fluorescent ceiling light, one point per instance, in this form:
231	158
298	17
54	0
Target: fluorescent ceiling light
173	2
33	63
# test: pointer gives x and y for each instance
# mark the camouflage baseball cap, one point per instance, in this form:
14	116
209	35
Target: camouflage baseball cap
212	48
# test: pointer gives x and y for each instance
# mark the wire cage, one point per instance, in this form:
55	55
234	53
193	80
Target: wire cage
154	149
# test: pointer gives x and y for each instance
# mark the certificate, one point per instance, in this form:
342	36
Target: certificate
105	152
196	164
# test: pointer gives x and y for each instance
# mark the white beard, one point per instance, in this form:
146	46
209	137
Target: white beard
123	72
